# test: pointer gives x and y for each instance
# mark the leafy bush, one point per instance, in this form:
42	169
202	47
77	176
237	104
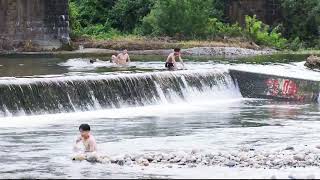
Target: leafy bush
216	28
194	19
74	19
90	18
100	31
261	34
93	11
128	14
295	44
178	18
301	18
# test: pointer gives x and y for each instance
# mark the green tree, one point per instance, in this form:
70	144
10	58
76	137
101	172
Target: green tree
217	9
178	18
127	14
93	11
74	19
302	20
262	34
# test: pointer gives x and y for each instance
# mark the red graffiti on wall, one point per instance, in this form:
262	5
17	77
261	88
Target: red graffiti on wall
283	88
289	88
273	86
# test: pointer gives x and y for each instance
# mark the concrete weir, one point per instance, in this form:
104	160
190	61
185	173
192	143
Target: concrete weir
258	85
33	24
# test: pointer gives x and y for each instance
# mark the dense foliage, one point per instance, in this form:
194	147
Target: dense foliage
194	19
302	21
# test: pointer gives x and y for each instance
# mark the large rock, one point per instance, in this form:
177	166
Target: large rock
313	62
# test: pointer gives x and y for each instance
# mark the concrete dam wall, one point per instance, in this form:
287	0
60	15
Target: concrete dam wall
33	24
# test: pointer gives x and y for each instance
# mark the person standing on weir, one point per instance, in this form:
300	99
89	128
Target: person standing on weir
171	63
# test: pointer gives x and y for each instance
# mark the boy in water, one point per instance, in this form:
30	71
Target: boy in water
89	142
171	63
90	147
122	58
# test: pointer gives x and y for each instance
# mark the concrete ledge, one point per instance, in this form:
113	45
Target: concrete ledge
257	85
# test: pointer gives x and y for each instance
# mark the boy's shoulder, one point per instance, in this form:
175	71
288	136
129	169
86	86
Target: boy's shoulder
91	138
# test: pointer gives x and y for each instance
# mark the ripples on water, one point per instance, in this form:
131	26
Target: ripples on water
40	146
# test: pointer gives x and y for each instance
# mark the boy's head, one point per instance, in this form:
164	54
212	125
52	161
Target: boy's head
125	51
84	130
176	51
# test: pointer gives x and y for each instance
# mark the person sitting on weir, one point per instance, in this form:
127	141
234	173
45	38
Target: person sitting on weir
171	63
122	59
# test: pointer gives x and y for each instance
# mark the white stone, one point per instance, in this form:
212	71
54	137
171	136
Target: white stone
299	157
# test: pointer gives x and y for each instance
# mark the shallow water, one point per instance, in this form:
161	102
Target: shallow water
214	120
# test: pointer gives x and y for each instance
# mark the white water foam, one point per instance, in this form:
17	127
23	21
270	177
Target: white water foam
84	64
295	69
129	112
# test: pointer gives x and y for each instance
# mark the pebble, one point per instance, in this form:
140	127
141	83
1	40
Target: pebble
120	162
195	151
230	164
291	177
149	158
311	177
299	157
289	148
146	163
192	165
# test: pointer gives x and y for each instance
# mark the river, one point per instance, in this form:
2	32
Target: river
143	109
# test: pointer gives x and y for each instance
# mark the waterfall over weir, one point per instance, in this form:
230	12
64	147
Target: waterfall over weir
32	96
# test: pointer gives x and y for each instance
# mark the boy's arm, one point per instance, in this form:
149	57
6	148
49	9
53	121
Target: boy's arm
180	59
129	59
93	145
75	146
78	139
168	58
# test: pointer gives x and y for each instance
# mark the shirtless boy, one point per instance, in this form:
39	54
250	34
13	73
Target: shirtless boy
171	63
122	58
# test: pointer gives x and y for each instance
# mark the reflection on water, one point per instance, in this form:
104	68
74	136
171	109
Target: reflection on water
13	67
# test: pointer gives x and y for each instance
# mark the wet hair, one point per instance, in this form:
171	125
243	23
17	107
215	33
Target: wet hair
177	50
84	127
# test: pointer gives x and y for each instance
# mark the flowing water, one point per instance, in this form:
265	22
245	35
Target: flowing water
142	108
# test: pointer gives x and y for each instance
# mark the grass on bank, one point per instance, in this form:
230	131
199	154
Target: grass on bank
136	42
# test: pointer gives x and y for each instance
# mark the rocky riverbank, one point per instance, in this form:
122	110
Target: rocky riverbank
247	157
229	47
198	51
210	51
